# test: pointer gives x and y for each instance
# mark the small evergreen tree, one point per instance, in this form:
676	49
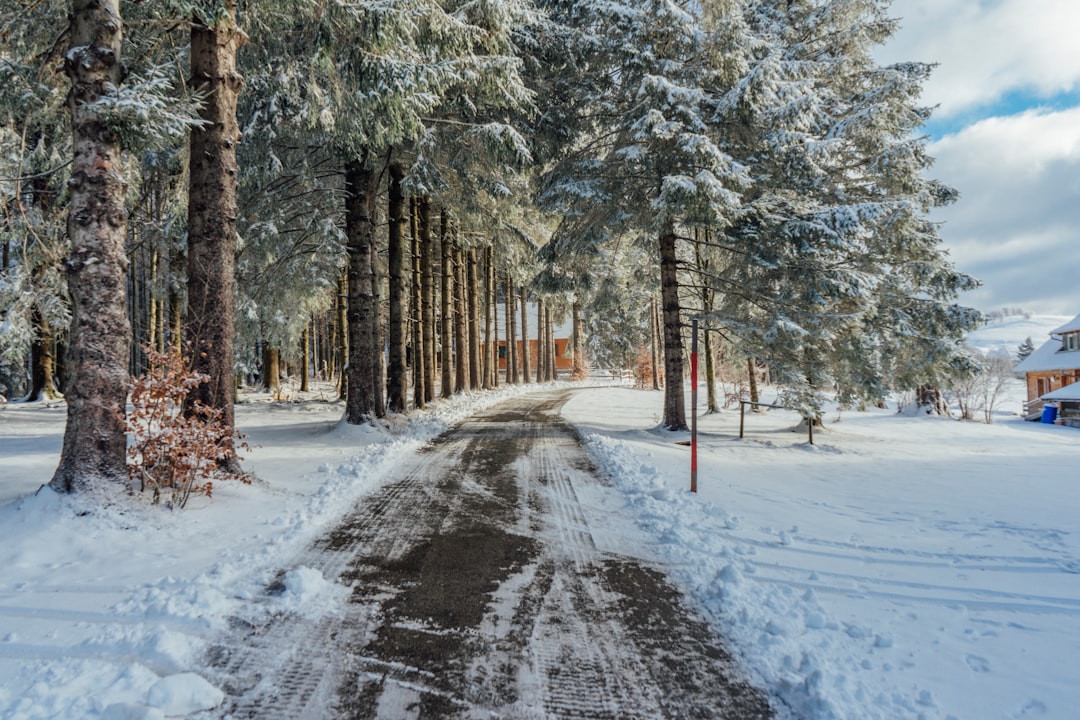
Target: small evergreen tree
1025	349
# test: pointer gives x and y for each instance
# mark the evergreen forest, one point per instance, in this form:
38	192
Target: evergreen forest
390	194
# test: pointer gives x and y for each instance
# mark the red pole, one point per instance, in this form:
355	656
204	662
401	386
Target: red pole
693	408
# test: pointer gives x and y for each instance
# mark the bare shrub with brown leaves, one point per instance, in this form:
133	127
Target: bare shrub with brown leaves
172	451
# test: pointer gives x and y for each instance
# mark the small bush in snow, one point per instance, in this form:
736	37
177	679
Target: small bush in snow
170	450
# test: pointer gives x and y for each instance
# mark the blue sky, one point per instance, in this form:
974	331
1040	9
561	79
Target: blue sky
1006	134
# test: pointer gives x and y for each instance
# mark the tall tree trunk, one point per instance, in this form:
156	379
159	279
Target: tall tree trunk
524	337
95	443
491	322
674	402
461	320
305	357
337	358
397	373
212	213
751	371
577	350
512	377
710	374
446	298
549	338
419	352
654	322
364	352
427	297
473	286
541	344
42	360
271	369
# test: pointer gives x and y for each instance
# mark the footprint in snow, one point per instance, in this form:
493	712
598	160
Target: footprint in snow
978	664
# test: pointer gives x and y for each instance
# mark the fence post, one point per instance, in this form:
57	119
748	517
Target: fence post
693	405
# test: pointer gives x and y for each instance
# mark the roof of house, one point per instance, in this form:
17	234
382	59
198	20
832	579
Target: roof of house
1050	356
1071	326
1069	392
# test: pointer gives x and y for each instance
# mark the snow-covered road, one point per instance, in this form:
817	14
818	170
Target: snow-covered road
486	579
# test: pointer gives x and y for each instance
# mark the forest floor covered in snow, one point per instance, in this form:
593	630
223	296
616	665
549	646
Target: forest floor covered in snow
903	566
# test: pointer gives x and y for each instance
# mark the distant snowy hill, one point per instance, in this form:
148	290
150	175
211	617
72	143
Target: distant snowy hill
1008	332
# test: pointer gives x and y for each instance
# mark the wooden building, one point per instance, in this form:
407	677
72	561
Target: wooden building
1053	366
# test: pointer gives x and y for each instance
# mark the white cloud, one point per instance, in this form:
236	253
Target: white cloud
987	48
1017	224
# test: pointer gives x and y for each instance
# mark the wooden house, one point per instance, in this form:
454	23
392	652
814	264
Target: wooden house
1050	369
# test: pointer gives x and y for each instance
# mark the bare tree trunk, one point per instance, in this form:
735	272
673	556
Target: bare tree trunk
710	374
305	362
576	349
42	360
447	301
212	212
654	322
95	443
461	320
549	338
524	337
674	402
340	354
271	363
491	322
541	344
397	373
427	297
512	377
363	369
417	338
751	370
473	309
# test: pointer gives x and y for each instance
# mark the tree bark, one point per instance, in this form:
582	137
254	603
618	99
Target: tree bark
212	213
577	350
654	322
271	365
751	371
541	342
524	337
549	338
491	323
511	333
473	282
95	442
674	402
710	374
461	321
397	372
305	361
419	354
446	303
427	297
42	360
338	357
362	369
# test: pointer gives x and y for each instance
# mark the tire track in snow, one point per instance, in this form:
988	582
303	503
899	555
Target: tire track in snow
477	590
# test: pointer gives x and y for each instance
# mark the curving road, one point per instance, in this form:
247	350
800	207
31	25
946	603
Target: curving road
479	591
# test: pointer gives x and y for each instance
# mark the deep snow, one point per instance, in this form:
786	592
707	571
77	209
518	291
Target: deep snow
902	567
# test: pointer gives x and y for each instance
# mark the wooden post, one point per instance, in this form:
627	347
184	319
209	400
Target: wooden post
693	404
742	417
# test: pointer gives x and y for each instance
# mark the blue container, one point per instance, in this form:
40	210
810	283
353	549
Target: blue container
1049	414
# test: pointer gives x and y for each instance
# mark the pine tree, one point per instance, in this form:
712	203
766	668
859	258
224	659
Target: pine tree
94	437
212	209
1025	349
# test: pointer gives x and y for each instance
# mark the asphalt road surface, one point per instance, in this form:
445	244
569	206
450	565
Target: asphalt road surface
479	591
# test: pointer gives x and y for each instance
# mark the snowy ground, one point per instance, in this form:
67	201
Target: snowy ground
902	567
